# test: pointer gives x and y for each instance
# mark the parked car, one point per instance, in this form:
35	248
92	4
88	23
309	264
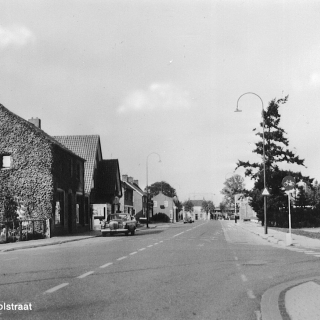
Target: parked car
188	219
118	223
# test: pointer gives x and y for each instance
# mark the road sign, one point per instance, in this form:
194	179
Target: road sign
288	183
266	192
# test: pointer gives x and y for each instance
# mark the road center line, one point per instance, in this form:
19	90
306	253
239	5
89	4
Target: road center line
124	257
57	287
85	274
151	245
106	265
142	249
178	234
132	253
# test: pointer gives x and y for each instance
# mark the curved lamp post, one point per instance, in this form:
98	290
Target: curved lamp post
147	185
264	158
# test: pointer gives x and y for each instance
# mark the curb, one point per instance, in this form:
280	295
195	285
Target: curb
272	306
46	244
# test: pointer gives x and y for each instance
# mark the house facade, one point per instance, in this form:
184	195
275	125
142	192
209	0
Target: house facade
102	177
134	199
198	213
166	205
44	177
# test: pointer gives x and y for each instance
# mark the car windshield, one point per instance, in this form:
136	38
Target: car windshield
112	217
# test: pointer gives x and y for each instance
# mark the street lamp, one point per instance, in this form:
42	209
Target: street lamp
264	159
147	185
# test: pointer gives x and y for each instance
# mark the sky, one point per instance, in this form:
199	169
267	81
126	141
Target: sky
161	80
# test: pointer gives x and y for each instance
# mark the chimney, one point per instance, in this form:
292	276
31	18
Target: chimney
136	182
130	179
36	122
124	177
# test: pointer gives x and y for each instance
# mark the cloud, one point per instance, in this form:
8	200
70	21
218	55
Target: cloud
15	36
315	80
157	96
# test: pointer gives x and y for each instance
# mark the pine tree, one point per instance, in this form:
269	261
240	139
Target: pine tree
276	152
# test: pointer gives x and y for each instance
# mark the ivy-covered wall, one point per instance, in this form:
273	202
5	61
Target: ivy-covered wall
39	166
29	176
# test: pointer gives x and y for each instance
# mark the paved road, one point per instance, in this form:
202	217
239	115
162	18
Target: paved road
206	270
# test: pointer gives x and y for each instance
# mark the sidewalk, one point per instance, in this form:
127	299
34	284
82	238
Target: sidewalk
11	246
278	237
294	300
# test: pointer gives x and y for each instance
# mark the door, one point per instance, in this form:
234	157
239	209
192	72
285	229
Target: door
70	215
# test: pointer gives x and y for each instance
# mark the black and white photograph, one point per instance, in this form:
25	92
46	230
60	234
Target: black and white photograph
159	159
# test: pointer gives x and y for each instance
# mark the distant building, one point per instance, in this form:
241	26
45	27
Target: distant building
102	177
134	200
198	213
244	211
166	205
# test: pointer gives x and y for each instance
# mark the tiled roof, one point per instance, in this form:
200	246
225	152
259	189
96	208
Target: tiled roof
85	147
197	203
135	187
138	189
40	131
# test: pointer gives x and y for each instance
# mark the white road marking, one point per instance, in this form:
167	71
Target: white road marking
106	265
85	274
156	243
244	278
160	241
178	234
132	253
142	249
151	245
122	258
57	287
250	294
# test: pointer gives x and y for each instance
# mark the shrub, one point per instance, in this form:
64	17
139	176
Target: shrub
160	217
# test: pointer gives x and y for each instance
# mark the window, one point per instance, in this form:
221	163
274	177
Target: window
166	204
78	171
59	208
70	167
77	213
5	161
155	204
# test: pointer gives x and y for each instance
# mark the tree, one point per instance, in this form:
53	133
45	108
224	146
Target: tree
232	186
207	206
163	187
188	205
276	152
